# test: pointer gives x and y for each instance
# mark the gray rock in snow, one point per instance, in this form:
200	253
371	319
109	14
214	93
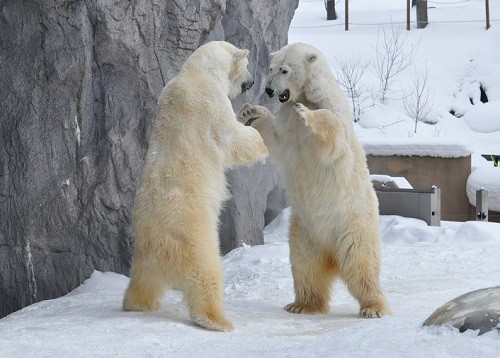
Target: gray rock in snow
79	81
475	310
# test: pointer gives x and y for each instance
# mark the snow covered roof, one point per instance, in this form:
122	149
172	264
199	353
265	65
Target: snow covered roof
422	147
487	178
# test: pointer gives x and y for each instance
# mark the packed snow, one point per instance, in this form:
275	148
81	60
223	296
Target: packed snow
484	118
422	267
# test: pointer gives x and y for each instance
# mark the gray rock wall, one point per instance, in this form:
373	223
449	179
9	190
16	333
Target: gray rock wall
79	82
262	27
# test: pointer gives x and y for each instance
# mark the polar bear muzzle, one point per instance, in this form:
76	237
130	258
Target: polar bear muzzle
285	96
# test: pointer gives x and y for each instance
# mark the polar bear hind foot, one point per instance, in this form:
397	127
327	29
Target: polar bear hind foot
212	323
375	310
135	301
297	307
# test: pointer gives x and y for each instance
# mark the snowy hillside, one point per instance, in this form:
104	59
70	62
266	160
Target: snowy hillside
422	267
459	57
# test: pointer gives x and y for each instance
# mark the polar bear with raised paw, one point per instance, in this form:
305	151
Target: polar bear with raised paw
334	229
183	186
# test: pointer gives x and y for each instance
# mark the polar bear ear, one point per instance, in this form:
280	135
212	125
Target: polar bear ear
271	55
241	54
312	58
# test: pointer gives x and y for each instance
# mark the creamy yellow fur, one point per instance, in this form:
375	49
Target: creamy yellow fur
334	229
183	185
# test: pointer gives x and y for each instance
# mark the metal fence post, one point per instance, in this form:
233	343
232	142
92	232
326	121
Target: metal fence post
346	15
408	7
487	5
481	205
435	218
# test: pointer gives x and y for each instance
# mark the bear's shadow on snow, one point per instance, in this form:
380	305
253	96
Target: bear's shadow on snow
165	315
244	316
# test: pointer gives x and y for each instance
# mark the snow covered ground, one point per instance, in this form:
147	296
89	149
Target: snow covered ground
422	267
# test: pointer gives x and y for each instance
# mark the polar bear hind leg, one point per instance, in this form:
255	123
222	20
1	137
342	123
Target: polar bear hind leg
360	272
313	273
147	285
203	288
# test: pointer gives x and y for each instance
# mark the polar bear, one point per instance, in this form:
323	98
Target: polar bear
183	186
334	230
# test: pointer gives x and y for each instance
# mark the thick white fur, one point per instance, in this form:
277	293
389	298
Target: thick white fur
334	229
175	216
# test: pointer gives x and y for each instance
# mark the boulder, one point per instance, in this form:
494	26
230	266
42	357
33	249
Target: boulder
476	310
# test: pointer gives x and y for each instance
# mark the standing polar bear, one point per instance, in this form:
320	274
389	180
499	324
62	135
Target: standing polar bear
334	223
183	185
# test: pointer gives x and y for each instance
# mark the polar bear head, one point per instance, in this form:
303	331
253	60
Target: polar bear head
224	62
291	70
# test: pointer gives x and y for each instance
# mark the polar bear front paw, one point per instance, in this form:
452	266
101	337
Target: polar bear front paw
301	111
249	114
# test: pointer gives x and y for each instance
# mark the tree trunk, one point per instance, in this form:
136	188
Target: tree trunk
331	14
422	20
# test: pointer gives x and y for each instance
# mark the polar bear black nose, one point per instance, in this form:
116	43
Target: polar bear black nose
246	85
269	91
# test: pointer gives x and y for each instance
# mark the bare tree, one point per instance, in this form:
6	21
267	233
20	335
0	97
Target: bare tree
419	99
350	76
393	56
